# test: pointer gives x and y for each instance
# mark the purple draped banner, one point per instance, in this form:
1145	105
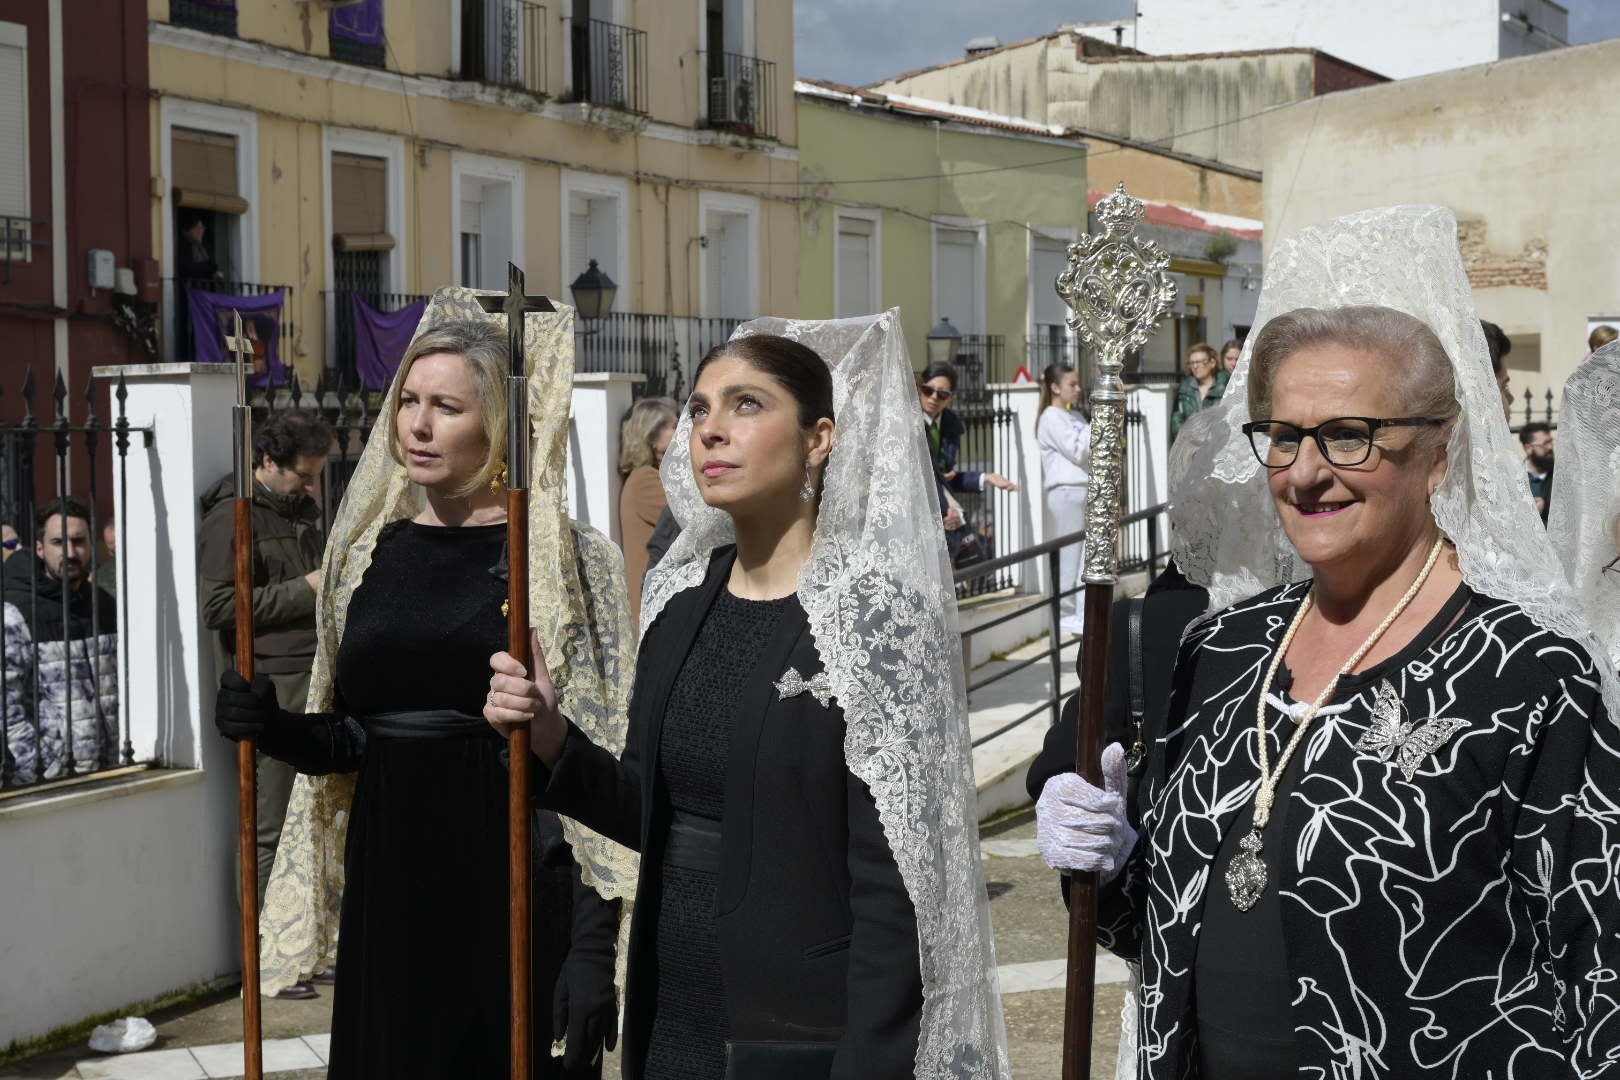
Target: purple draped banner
362	22
261	322
381	338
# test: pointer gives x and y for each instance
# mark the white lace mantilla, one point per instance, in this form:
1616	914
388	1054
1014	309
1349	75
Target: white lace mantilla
882	609
1585	512
1226	533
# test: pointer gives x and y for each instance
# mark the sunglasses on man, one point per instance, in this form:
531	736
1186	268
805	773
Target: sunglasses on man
936	393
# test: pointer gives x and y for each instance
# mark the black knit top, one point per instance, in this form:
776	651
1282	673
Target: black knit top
690	1027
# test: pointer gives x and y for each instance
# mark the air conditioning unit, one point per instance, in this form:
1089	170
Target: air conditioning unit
731	101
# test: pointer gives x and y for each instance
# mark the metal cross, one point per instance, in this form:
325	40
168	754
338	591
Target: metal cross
238	345
516	305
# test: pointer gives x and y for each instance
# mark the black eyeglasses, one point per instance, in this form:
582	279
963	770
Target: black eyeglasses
10	545
1344	440
936	392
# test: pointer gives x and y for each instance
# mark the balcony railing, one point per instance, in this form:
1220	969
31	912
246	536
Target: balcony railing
504	42
341	369
210	16
664	348
181	333
742	94
609	65
1045	349
979	361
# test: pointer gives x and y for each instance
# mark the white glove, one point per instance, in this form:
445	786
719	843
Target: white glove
1078	827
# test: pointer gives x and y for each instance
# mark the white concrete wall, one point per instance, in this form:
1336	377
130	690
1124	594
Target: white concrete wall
1510	146
1396	38
122	892
600	401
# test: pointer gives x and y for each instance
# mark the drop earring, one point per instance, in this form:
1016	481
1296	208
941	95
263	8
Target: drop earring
808	491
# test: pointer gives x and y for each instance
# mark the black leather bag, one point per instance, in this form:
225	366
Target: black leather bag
779	1060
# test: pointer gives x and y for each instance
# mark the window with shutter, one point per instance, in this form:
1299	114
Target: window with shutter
856	292
14	143
205	172
360	203
957	289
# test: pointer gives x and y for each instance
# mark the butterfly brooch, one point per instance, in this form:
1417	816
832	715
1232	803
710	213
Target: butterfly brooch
792	684
1392	735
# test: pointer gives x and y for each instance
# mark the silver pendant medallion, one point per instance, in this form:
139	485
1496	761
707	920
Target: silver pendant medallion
1246	873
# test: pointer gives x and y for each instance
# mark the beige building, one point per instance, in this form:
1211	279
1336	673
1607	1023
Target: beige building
1517	149
386	148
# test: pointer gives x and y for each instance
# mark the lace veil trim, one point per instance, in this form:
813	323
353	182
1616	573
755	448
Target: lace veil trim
577	601
882	609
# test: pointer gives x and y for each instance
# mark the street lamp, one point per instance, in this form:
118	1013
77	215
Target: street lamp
593	293
944	341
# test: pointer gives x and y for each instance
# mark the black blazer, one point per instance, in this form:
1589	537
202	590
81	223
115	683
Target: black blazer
818	938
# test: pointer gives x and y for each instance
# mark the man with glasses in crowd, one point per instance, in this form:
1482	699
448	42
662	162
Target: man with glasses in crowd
61	654
1537	440
290	450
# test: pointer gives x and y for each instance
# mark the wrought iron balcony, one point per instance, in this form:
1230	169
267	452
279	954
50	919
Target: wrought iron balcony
609	65
742	94
210	16
504	42
341	367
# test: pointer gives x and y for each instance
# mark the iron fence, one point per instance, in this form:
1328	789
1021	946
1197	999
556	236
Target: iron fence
1520	416
980	360
989	444
60	714
1147	559
1041	351
609	64
504	42
742	94
182	334
664	348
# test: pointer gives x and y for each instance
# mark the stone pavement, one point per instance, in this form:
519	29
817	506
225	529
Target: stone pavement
200	1040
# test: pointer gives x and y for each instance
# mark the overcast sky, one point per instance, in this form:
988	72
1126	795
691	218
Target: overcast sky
862	41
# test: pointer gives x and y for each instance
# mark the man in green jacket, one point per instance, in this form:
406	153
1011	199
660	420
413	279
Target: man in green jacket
291	450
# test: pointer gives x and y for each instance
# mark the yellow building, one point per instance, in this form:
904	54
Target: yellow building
388	147
945	212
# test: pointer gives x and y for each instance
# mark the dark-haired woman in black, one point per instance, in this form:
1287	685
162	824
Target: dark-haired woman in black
773	934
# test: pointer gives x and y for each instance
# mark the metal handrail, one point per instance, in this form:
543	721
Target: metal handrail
1052	601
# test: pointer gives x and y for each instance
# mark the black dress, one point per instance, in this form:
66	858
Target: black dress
1441	896
690	1030
422	943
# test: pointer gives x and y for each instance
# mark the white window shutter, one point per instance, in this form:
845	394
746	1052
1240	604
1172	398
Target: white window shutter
855	292
14	130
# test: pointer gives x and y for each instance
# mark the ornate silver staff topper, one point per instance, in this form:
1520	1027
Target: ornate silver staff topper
1118	291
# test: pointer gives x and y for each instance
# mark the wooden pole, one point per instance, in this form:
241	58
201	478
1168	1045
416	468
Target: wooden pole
515	305
247	778
1117	291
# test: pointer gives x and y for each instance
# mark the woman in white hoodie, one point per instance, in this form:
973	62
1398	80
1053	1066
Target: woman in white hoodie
1064	435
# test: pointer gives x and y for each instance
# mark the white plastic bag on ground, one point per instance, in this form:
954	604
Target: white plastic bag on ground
124	1035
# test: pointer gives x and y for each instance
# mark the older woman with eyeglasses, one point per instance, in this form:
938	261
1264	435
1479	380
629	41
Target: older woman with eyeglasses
1378	827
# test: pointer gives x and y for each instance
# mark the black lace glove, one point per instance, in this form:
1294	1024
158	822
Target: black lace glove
584	1007
243	710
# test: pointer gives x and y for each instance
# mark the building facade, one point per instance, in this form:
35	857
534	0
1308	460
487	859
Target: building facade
77	281
366	154
1509	148
1395	38
947	213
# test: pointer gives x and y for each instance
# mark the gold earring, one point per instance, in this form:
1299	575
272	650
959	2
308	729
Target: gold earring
498	481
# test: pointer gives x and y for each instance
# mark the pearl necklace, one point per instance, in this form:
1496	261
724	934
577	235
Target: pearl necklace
1246	873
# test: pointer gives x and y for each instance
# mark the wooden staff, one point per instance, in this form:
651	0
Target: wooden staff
1118	292
247	780
514	305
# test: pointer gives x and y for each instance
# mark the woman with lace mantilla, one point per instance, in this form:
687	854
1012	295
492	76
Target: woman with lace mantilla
784	923
1376	826
399	686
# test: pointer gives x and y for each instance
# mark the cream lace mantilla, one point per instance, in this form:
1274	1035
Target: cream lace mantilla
577	601
1585	512
882	610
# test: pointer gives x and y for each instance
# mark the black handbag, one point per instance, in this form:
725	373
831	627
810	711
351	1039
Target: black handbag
779	1060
